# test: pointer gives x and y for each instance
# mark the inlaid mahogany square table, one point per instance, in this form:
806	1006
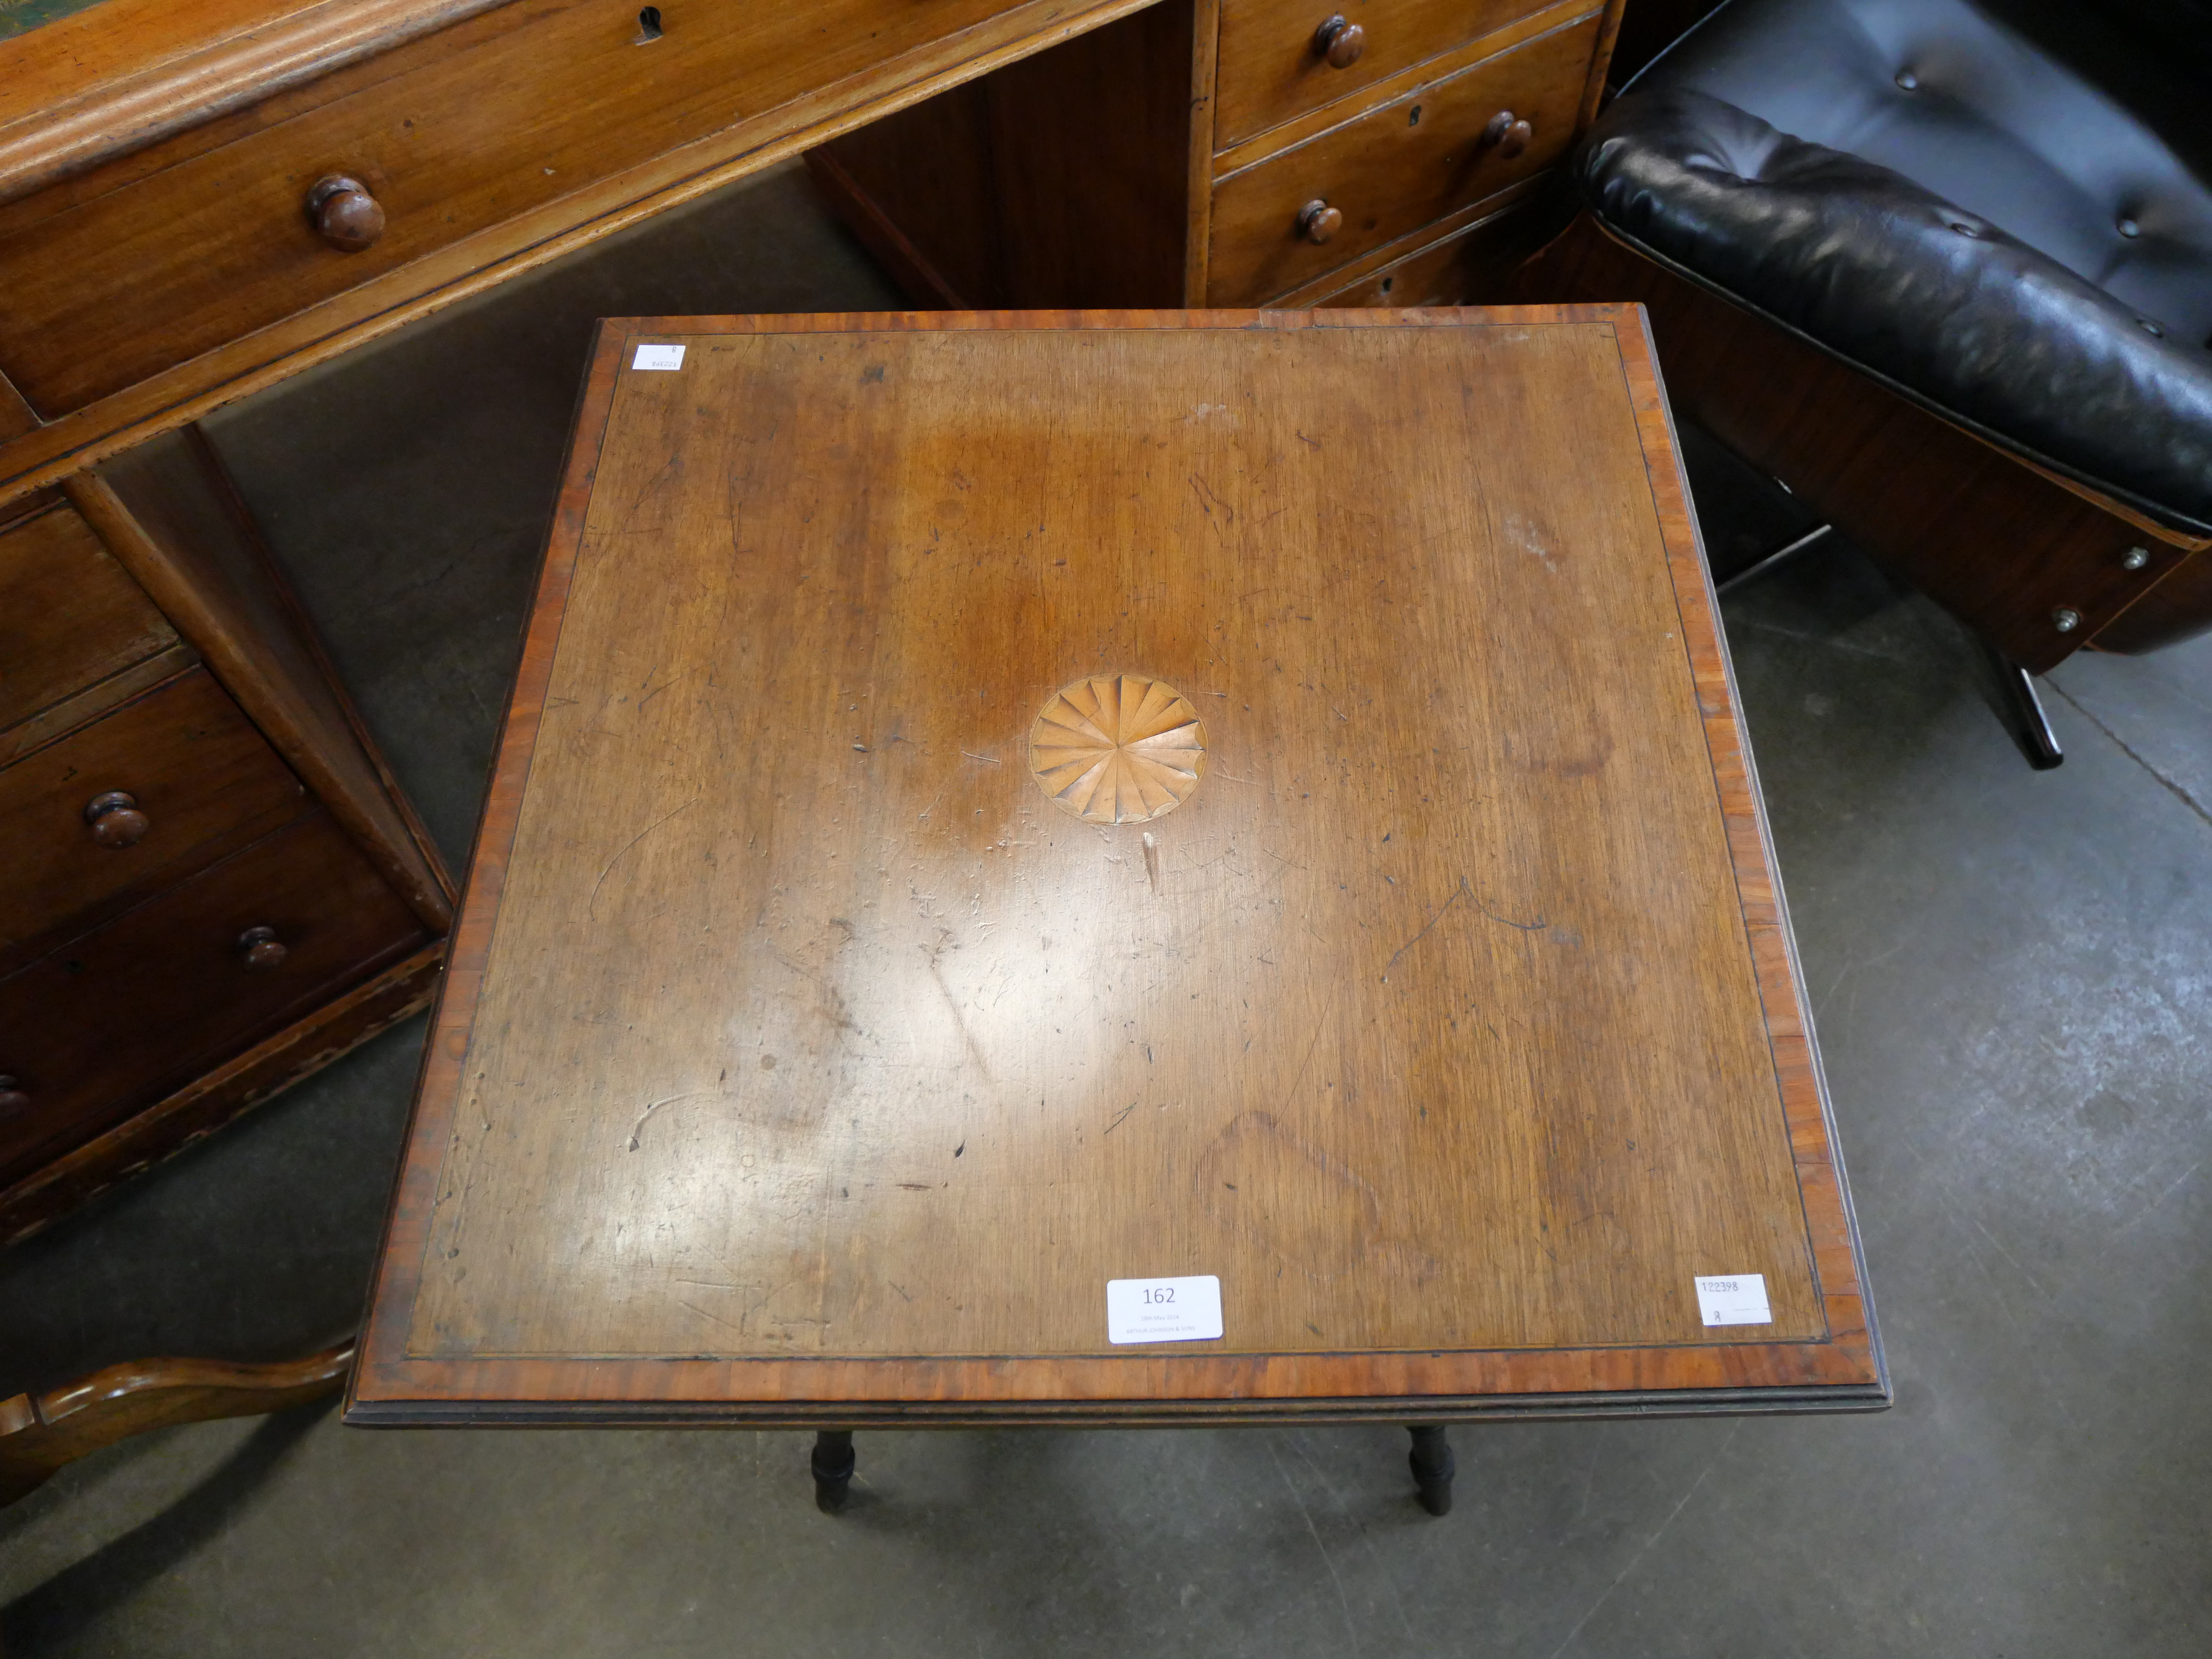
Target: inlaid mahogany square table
1246	803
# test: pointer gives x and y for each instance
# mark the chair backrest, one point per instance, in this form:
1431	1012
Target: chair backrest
2084	129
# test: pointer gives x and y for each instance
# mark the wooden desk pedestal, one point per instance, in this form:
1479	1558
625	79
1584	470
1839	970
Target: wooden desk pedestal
998	804
1238	153
210	887
197	198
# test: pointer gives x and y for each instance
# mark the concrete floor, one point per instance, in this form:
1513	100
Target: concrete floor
2012	978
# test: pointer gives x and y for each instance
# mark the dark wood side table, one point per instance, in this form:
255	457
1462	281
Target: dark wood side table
998	807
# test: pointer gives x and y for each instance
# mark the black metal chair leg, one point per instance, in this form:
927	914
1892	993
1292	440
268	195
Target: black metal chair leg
833	1469
1433	1468
2030	725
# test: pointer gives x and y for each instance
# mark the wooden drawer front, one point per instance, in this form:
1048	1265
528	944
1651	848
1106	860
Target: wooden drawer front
112	1020
68	614
196	767
1398	167
1272	67
113	277
1470	267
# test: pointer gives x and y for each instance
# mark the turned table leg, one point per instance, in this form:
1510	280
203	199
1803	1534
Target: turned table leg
833	1469
1433	1465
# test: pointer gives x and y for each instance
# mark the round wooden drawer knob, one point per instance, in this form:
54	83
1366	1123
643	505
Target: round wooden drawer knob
116	820
1340	41
348	216
261	949
1318	222
12	1097
1509	132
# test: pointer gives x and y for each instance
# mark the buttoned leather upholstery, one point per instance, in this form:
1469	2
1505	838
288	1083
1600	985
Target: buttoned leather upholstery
1998	206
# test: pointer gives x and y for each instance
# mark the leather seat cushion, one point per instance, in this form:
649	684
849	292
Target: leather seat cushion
1936	194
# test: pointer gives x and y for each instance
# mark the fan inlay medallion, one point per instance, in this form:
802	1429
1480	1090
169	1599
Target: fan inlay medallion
1118	748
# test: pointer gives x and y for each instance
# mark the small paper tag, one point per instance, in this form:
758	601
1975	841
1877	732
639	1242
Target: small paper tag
657	356
1163	1309
1739	1299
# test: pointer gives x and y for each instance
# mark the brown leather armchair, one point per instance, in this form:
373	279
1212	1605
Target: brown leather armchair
1944	267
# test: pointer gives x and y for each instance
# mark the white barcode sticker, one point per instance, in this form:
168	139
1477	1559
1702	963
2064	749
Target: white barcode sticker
1739	1299
1163	1309
657	356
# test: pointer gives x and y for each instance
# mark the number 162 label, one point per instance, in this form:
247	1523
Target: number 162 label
1163	1309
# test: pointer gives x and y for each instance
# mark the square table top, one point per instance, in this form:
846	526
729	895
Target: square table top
998	804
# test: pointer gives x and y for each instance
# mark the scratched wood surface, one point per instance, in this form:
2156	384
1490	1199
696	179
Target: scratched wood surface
798	1047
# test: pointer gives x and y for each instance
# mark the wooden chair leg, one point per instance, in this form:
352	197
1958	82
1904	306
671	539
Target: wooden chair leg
39	1433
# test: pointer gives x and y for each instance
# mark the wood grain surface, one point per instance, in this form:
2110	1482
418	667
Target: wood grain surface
1472	259
1271	71
1051	183
1203	136
207	236
169	513
106	82
83	707
1401	166
1061	180
935	159
866	75
112	1020
1229	158
196	767
799	1057
2179	608
69	617
196	1110
17	419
